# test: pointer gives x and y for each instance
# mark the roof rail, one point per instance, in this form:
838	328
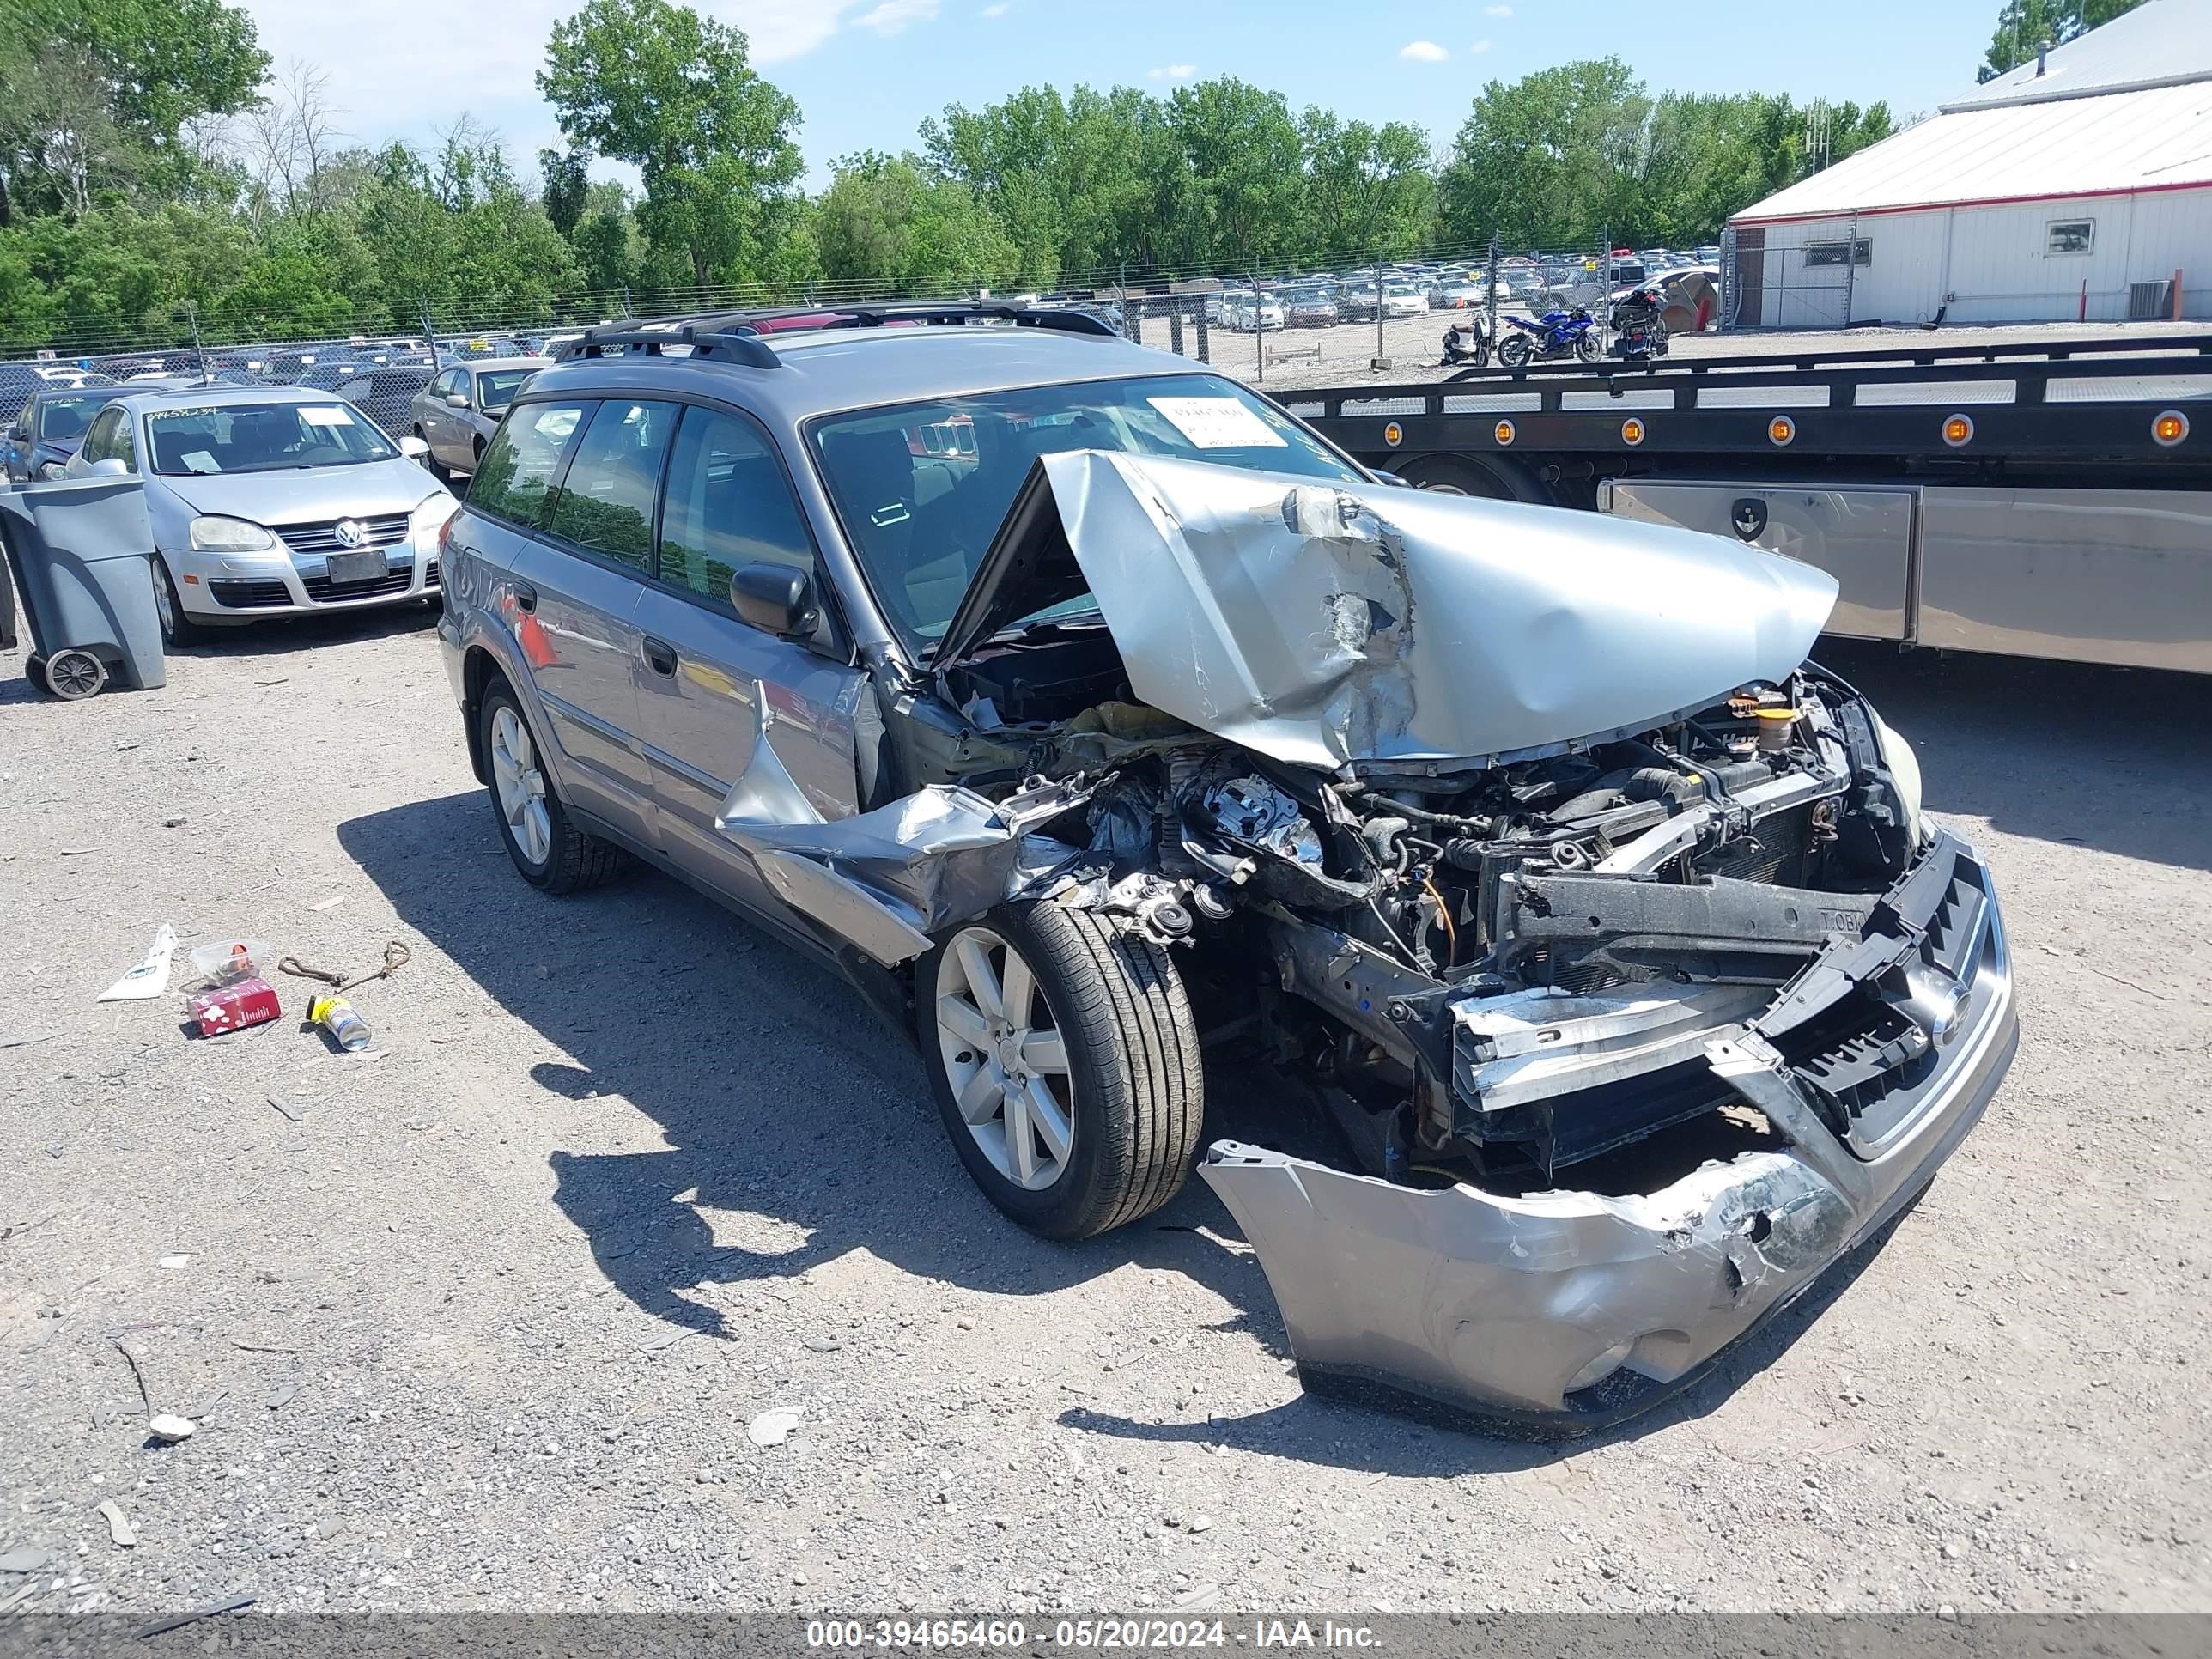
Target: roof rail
867	314
738	345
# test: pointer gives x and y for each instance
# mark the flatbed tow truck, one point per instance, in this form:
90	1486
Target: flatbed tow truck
2050	500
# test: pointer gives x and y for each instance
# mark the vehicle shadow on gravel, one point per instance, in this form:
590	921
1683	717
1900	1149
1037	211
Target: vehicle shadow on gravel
781	1096
2111	758
799	1130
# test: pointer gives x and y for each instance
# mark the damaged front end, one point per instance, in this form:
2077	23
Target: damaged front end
1603	926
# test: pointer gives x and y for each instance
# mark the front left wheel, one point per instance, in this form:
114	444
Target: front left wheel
1066	1064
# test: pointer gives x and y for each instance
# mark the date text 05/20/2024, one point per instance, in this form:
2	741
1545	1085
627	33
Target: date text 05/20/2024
989	1634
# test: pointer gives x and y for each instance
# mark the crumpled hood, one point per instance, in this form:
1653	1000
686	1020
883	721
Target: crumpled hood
1322	623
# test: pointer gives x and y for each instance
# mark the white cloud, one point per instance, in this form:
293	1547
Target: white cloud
1423	52
999	10
1171	72
1497	11
780	30
1480	47
891	16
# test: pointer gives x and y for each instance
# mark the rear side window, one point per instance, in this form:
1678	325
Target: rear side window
606	499
519	469
728	504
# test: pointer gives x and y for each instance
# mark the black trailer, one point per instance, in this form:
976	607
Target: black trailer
2051	499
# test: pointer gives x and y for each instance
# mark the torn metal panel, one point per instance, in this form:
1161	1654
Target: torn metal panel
1564	1310
884	880
1326	624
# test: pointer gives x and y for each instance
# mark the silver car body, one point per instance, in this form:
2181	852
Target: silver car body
1360	632
391	506
449	414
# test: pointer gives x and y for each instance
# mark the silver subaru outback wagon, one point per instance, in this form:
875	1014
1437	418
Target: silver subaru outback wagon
1031	678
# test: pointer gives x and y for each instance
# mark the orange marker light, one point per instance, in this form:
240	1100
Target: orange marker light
1781	430
1958	430
2170	428
1393	434
1631	431
1502	431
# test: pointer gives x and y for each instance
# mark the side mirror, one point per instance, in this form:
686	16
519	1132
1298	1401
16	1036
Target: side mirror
776	598
413	448
456	400
109	466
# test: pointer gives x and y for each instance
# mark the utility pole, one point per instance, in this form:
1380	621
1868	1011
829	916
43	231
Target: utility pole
1490	288
1259	334
1381	361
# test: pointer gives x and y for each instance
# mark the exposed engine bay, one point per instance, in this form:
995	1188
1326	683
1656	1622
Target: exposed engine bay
1495	974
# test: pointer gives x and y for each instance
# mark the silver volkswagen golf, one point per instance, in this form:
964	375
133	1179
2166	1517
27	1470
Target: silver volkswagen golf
269	501
1082	707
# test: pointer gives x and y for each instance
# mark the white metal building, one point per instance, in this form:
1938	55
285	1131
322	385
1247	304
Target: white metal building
2075	187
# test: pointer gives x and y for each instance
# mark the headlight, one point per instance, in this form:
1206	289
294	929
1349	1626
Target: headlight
1904	768
213	534
429	520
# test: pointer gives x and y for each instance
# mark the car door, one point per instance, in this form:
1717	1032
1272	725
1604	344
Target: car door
713	689
434	418
578	478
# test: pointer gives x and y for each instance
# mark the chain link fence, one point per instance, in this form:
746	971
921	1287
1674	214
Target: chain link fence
1344	321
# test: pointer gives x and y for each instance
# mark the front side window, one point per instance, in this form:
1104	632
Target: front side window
229	438
524	458
605	505
728	504
99	437
447	384
921	516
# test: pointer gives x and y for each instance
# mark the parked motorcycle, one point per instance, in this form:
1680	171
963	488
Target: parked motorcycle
1638	332
1466	342
1555	334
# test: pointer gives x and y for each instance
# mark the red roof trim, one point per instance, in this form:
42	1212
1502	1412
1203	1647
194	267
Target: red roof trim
1971	202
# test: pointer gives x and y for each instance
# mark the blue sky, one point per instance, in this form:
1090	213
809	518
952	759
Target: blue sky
865	72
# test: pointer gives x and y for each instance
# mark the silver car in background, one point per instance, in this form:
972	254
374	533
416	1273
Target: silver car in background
457	413
268	501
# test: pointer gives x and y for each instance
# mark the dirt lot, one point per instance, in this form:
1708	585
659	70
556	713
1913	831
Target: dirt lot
484	1327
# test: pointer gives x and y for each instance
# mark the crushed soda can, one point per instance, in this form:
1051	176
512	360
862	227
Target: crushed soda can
233	1005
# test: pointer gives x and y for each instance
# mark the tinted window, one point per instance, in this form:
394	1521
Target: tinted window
519	467
606	500
728	504
64	418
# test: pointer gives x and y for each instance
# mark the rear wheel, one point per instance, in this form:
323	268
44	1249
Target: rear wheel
546	847
1066	1065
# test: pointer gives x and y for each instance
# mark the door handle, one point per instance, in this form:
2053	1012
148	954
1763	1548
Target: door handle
526	596
661	656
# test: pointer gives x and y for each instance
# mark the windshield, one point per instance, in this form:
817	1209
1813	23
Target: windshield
261	438
61	419
496	388
921	488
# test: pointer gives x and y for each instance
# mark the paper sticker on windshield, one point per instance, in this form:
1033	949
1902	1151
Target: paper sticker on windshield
325	415
200	460
1218	423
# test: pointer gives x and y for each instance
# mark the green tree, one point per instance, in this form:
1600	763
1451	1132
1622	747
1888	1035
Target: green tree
565	188
1246	180
886	221
1546	162
2026	27
1369	190
673	93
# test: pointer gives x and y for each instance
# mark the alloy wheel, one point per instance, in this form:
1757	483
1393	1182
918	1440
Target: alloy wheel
1005	1059
520	784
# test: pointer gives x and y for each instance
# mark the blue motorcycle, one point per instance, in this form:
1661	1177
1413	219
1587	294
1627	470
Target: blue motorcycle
1555	334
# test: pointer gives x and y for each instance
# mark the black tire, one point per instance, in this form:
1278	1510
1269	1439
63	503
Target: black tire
1513	351
1488	478
1586	348
1137	1088
574	859
436	468
178	630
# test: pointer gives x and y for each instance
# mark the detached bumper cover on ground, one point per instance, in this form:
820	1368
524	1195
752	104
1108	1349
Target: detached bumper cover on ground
1571	1309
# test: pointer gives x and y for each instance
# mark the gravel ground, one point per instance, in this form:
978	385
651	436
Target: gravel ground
480	1321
